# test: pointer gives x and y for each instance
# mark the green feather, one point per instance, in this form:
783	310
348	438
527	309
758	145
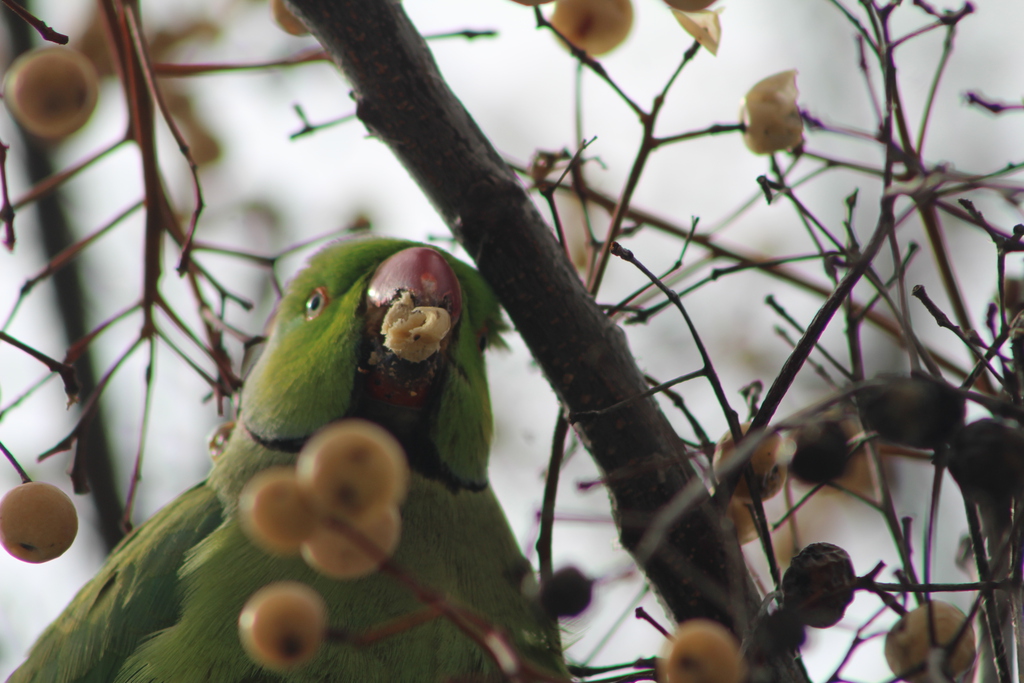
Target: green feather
135	594
164	608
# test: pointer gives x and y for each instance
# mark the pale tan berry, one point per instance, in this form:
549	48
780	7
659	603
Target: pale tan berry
334	552
38	522
768	472
702	651
908	643
770	113
287	21
595	26
739	513
51	91
352	469
283	624
690	5
276	512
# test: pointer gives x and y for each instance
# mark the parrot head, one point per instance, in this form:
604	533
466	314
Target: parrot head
389	331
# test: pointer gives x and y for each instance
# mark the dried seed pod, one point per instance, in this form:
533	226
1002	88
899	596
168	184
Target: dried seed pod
771	116
51	91
768	473
908	643
702	651
38	522
704	26
987	461
914	411
283	624
594	26
566	593
821	451
818	586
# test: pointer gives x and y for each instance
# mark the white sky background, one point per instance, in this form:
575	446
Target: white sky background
519	88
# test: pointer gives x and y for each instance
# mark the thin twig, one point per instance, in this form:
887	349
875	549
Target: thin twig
547	515
38	24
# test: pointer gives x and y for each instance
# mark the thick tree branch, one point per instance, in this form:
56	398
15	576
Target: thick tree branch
404	101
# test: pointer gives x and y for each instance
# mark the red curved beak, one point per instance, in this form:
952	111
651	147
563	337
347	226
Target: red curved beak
422	272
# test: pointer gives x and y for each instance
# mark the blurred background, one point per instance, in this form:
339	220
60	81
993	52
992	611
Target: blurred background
265	191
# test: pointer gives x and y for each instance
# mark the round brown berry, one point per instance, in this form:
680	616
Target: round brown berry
283	624
566	593
987	461
594	26
821	452
914	411
818	585
38	522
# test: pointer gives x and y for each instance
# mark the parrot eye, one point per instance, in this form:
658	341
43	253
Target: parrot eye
316	303
482	340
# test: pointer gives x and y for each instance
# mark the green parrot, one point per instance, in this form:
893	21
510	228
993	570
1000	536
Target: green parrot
164	608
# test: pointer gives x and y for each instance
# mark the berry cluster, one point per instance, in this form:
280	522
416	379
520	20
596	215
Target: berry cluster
769	110
339	509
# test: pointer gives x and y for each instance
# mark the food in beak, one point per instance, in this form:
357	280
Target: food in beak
414	333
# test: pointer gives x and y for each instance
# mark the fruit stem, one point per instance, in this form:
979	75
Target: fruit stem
25	479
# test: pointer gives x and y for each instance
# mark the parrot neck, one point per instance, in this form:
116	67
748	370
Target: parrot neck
420	450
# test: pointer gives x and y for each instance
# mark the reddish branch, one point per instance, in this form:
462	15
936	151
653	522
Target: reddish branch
35	22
